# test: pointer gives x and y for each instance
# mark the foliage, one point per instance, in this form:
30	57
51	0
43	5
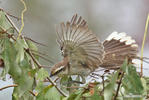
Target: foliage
23	67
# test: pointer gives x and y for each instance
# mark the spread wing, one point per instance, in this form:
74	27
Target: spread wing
79	43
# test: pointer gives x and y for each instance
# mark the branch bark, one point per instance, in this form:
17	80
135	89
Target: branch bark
14	85
54	84
119	84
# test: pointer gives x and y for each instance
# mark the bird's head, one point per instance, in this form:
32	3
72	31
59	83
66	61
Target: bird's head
57	70
60	68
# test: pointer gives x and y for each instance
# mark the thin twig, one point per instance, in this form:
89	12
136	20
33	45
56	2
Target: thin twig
11	36
54	84
93	76
143	59
43	58
103	83
56	79
10	14
12	24
39	52
119	84
35	41
32	93
73	87
43	54
27	38
14	85
34	60
13	16
143	43
17	30
31	55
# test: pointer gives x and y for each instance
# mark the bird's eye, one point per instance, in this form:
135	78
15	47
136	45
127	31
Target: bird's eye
62	52
61	48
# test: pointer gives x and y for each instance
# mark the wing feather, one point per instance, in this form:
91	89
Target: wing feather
75	38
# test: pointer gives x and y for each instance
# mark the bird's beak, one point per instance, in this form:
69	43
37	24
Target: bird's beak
51	75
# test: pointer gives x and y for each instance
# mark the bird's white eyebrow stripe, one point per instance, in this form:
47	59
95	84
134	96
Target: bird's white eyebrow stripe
59	68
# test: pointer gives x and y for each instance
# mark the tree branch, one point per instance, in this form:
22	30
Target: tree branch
43	57
10	14
54	84
14	85
17	30
12	24
32	93
35	41
31	55
119	84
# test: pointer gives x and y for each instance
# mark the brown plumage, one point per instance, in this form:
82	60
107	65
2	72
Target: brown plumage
83	52
118	47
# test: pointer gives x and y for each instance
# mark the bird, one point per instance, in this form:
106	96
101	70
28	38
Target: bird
83	52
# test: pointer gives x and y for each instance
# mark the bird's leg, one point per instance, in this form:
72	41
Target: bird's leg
83	79
80	82
73	81
68	65
77	81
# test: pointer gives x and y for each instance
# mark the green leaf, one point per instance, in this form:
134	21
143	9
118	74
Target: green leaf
42	74
132	82
109	89
93	94
40	86
78	78
20	45
87	94
4	26
4	23
32	72
147	83
76	95
66	81
18	71
144	83
25	81
49	93
96	96
31	45
125	63
9	56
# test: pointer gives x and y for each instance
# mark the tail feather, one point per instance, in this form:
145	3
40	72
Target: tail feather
111	44
118	47
114	46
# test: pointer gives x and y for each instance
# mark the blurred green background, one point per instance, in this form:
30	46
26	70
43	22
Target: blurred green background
103	17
